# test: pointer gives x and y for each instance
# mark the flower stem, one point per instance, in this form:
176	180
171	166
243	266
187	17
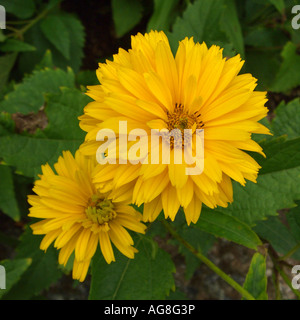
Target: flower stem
210	264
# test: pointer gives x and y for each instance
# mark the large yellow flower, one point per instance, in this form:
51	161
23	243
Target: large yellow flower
197	89
77	217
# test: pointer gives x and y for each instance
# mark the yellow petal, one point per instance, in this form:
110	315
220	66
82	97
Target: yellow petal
193	210
106	247
170	202
82	244
160	90
166	67
186	193
152	209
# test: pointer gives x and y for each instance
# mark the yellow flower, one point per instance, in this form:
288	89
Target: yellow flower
197	89
77	217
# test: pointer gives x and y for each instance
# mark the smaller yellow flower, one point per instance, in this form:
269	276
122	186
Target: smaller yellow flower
76	217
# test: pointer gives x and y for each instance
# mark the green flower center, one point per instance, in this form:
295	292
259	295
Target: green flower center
100	210
180	119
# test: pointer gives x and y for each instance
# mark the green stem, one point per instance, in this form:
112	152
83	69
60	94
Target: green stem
290	253
275	278
19	33
18	22
210	264
283	275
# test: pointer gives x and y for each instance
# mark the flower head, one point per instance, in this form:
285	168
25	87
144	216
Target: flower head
198	89
76	217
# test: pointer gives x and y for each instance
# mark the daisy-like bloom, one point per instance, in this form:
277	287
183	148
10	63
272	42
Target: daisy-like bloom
76	217
197	89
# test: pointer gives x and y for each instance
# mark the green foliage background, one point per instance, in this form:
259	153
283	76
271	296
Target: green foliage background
48	54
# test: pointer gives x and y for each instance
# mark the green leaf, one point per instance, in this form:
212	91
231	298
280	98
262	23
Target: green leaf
14	269
146	277
28	152
22	9
46	61
6	64
52	3
14	45
35	36
288	76
278	4
77	36
293	219
57	33
2	36
228	227
231	26
126	15
281	155
29	95
200	20
200	240
7	124
8	202
256	279
287	119
163	15
87	78
264	37
261	64
63	110
278	235
277	184
42	272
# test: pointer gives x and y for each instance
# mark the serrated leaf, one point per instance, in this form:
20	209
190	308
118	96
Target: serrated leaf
231	26
42	272
261	64
22	9
277	184
126	14
56	32
278	4
163	15
201	20
29	95
52	3
7	125
278	235
228	227
293	219
143	278
288	76
34	36
8	202
14	269
6	63
77	36
46	61
14	45
200	240
63	110
287	119
28	152
259	36
256	279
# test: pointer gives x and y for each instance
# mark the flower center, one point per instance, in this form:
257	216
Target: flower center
180	119
100	210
